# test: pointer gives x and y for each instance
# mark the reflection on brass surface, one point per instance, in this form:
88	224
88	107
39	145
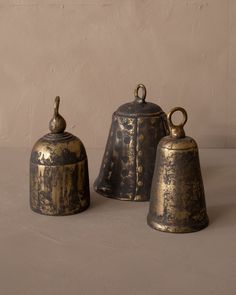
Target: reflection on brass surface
59	183
128	162
177	197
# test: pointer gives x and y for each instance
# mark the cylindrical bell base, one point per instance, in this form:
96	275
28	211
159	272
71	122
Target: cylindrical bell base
61	213
177	228
59	190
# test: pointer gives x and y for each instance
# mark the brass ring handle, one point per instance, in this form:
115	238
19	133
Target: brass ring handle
144	93
184	113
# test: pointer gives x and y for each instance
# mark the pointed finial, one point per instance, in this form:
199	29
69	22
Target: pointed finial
57	123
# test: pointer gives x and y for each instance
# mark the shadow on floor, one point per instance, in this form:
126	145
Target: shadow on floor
209	172
97	200
222	215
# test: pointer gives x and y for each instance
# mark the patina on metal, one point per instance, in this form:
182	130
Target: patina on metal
59	181
129	159
177	202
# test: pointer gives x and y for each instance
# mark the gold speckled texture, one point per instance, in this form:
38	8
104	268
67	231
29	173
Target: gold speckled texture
59	181
177	197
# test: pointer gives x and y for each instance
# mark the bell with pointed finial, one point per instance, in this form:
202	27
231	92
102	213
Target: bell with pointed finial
177	201
59	181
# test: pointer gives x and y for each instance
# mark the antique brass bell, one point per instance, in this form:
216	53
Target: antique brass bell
59	182
129	159
177	197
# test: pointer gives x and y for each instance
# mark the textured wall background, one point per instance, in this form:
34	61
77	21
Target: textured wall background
93	52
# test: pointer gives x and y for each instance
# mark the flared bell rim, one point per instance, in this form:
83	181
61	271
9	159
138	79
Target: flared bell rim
74	212
176	229
105	194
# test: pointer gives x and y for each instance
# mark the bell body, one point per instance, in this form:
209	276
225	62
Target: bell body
128	162
59	182
177	201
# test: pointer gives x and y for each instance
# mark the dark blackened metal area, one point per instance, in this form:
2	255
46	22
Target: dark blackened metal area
129	159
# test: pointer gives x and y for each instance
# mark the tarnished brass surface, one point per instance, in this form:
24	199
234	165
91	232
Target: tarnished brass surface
59	181
177	201
128	163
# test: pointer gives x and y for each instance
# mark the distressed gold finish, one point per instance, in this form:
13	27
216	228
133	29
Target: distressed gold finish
128	163
177	201
59	182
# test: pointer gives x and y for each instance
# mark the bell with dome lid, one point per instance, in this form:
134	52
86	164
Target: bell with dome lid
59	181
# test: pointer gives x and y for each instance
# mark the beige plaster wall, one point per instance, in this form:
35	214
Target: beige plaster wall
93	52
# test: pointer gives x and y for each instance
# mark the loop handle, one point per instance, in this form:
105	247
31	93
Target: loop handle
144	93
177	131
184	113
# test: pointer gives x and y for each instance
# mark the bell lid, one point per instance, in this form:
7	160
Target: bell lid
139	107
58	147
177	140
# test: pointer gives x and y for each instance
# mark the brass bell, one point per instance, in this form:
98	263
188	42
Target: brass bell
129	159
177	201
59	182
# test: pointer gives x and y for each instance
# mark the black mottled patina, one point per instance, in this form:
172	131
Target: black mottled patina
129	159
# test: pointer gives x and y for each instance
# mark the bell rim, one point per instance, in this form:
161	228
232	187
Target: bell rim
119	198
176	229
125	199
77	211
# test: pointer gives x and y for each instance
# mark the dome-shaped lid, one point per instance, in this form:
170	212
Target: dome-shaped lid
139	107
58	147
177	139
